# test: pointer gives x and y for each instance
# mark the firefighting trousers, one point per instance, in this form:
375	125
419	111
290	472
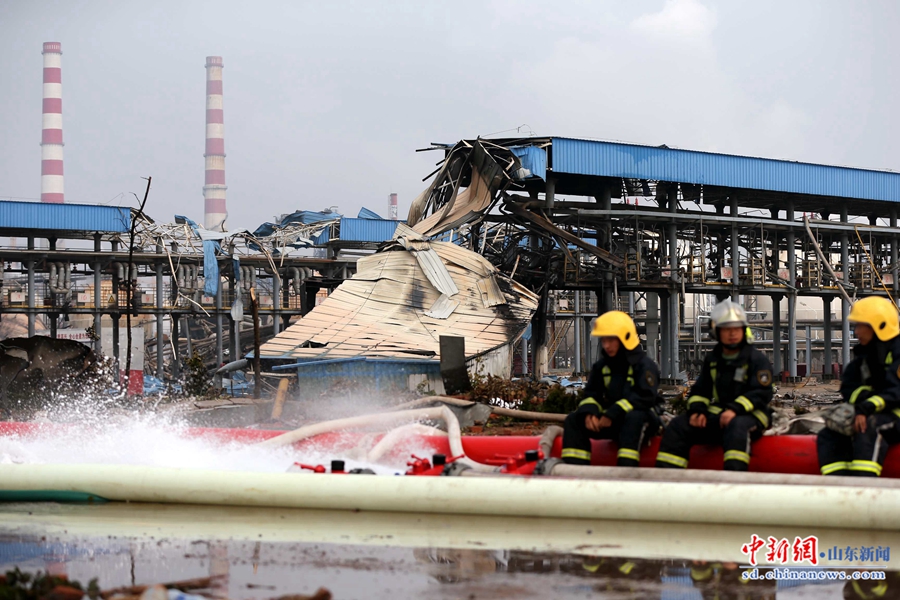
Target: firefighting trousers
735	439
860	454
632	430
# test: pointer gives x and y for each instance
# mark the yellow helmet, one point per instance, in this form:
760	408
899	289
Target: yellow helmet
617	324
878	313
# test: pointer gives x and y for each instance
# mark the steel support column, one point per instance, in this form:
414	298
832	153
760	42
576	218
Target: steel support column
604	234
894	256
777	365
588	343
652	325
232	337
792	297
550	191
31	315
219	350
609	300
826	362
735	254
276	302
176	350
524	356
808	356
114	314
160	344
665	330
98	296
845	306
577	324
236	353
30	266
674	297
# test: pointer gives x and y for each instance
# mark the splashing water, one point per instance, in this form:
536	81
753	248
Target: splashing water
159	441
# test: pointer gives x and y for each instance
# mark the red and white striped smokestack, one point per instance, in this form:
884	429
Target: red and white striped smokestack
214	189
51	136
392	207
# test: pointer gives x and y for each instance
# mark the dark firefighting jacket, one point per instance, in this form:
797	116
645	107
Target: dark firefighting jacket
618	385
871	382
742	384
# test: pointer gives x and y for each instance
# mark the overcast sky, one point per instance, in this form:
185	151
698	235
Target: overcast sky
326	102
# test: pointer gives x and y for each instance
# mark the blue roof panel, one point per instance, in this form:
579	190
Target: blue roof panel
613	159
365	213
64	217
367	230
533	158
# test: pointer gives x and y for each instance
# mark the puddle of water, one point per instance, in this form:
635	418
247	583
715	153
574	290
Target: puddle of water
267	553
249	570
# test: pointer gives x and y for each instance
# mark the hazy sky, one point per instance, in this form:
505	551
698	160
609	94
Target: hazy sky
326	102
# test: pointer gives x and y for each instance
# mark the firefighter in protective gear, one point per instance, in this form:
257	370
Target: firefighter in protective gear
728	404
871	384
620	396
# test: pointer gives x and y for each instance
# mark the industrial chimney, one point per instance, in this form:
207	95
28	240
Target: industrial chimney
392	207
51	135
214	189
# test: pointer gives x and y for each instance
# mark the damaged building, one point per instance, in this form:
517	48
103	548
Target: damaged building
399	304
663	233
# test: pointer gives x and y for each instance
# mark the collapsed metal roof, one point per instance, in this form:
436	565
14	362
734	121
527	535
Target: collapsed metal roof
402	299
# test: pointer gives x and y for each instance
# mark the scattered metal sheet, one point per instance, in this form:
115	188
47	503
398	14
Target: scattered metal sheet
443	308
545	224
490	292
434	270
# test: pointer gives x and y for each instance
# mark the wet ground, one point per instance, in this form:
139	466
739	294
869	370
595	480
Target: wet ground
269	553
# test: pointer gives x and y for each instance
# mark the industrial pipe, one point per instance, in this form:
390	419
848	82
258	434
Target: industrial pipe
248	278
298	279
51	280
797	505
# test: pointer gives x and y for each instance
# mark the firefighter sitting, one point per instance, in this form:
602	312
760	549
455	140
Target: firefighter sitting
620	396
871	386
728	405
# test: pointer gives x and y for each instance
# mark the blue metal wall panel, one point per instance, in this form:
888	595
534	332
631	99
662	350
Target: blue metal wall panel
367	230
323	238
586	157
379	375
533	158
64	217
